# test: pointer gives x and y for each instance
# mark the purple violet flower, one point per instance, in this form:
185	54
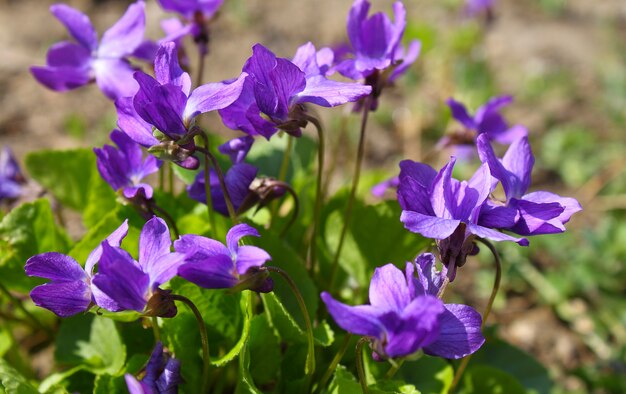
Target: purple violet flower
376	46
276	87
10	175
404	314
70	290
238	179
212	265
380	189
134	285
537	212
71	65
487	120
162	375
196	13
237	149
438	206
123	168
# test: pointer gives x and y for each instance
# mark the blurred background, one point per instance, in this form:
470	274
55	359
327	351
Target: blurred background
563	299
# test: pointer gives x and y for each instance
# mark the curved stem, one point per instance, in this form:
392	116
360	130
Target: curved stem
355	184
168	218
204	338
18	304
310	360
220	176
394	369
360	368
492	297
318	190
294	213
335	361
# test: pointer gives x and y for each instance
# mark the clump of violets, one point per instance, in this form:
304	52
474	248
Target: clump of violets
11	178
161	375
487	120
197	14
124	168
276	88
74	64
535	213
377	54
70	290
404	314
213	265
160	116
134	285
438	206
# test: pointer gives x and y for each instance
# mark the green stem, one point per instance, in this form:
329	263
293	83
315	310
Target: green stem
355	184
18	304
494	292
162	212
335	361
171	178
318	190
200	70
296	209
310	360
162	177
204	338
207	189
220	176
155	329
282	173
360	368
394	369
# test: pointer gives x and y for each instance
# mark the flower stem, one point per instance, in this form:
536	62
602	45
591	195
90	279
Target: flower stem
155	329
310	360
394	369
200	70
492	297
204	338
171	178
318	191
220	176
18	304
335	361
296	209
162	212
207	188
360	368
355	185
282	173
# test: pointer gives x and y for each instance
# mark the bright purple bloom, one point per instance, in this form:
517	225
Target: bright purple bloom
276	87
123	168
487	120
238	179
162	375
10	175
212	265
438	206
379	189
70	290
237	148
376	43
71	65
404	314
537	212
196	13
134	285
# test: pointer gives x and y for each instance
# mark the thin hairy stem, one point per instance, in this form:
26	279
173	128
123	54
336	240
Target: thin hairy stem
200	70
282	172
318	191
220	175
395	367
295	211
204	338
351	197
494	292
155	329
333	364
309	368
360	367
171	178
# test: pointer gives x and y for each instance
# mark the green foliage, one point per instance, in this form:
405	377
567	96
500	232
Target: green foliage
482	379
26	231
12	382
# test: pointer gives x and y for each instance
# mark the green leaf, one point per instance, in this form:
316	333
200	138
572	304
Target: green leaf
264	349
6	340
66	174
106	384
431	375
246	304
27	230
375	237
483	379
92	341
287	328
57	381
245	383
343	382
101	200
521	365
12	382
